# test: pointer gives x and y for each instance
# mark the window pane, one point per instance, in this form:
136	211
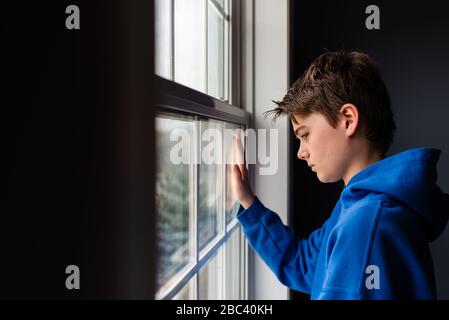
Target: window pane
215	50
187	292
231	203
210	279
220	2
190	60
211	182
234	271
173	196
163	52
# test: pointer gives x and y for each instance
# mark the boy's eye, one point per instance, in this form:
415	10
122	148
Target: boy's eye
304	136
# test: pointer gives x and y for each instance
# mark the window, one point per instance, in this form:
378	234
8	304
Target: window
193	44
198	237
201	250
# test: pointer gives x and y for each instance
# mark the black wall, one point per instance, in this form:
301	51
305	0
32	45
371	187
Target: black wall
412	50
76	130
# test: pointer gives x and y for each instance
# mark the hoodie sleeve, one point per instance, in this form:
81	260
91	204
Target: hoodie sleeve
291	259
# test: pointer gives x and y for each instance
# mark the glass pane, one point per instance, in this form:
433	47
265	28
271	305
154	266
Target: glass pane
231	203
163	52
234	267
220	2
210	279
211	181
190	42
215	50
173	194
187	292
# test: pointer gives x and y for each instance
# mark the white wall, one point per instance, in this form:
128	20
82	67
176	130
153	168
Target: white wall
268	46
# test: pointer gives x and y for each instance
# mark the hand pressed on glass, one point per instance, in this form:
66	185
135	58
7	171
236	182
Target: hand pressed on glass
240	180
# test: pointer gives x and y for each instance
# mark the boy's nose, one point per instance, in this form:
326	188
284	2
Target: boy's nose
302	154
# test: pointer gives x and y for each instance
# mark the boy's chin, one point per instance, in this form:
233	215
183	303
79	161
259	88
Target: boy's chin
326	179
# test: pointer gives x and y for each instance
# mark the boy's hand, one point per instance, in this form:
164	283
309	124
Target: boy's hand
240	181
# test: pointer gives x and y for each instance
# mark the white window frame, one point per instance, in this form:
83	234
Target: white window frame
177	98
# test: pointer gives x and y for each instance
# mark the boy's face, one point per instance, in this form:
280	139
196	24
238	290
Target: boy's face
325	149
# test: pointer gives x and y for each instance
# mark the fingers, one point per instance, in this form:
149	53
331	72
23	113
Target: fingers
237	150
243	171
238	155
236	172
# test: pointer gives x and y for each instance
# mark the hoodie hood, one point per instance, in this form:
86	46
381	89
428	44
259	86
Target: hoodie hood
409	177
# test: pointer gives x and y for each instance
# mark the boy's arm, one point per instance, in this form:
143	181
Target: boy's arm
291	259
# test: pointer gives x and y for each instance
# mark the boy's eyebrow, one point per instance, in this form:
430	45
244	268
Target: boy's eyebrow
301	127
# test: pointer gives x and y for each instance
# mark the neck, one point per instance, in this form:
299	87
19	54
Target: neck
364	160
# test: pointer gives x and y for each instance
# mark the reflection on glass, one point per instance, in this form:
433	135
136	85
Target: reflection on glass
234	267
211	181
210	278
215	53
187	292
173	198
231	202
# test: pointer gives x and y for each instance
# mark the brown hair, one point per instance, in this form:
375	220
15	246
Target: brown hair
336	78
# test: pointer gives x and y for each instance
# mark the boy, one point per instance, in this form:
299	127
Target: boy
375	244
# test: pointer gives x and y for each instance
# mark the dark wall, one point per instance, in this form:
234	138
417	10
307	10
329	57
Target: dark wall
76	130
412	50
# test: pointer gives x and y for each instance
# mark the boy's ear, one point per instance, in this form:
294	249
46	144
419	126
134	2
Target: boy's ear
350	117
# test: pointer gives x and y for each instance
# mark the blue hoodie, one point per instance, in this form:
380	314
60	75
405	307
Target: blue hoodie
375	243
